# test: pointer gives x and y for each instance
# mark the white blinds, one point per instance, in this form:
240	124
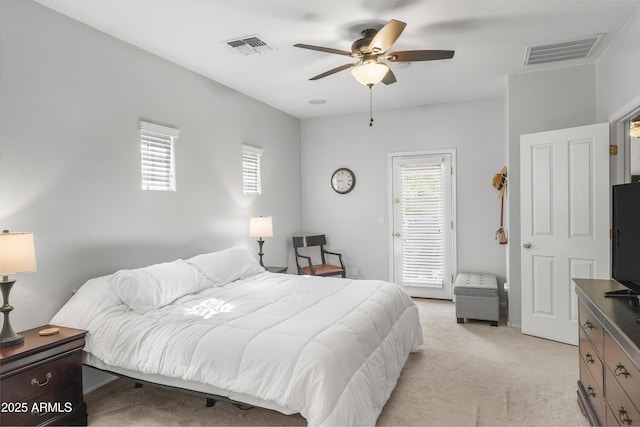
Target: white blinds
157	158
422	224
251	180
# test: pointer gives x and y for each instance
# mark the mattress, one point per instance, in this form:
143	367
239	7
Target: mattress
331	349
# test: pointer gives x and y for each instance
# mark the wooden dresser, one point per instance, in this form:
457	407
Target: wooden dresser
609	385
41	380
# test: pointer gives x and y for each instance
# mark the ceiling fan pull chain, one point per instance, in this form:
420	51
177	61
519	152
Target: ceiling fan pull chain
371	105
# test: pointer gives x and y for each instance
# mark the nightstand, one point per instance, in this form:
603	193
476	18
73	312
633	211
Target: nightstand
276	269
41	379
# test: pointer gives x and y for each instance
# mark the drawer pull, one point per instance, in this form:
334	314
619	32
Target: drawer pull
621	370
588	325
591	392
589	358
623	416
35	382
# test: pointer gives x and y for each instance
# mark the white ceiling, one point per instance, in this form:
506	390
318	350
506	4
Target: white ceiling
490	38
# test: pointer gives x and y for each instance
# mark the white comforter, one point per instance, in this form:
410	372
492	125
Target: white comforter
331	349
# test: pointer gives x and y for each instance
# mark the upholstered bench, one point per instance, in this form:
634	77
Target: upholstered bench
476	297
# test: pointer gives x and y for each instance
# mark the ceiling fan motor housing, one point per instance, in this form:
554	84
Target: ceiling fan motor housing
362	45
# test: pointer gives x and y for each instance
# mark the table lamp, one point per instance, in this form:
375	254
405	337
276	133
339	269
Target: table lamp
17	255
260	226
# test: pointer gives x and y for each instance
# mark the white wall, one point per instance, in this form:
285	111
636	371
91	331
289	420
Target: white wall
476	129
71	98
536	102
618	85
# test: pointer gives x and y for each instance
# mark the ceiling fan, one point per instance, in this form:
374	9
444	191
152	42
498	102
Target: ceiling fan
373	46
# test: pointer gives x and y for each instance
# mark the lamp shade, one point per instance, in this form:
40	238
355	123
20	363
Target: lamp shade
17	253
260	226
635	129
371	73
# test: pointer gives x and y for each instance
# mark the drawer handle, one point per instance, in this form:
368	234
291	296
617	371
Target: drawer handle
621	370
591	392
588	325
589	358
623	416
35	382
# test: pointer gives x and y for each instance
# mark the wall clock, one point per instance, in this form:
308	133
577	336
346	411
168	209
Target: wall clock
343	180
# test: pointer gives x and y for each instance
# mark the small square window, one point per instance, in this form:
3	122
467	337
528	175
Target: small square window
157	156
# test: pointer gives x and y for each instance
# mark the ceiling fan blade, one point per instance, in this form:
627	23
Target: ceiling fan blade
419	55
389	77
387	35
324	49
334	70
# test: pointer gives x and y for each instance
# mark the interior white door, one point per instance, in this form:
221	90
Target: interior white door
422	225
564	207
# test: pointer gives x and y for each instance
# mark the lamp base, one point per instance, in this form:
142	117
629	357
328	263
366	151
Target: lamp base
8	336
11	341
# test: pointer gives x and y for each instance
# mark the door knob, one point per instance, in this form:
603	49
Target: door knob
397	234
526	245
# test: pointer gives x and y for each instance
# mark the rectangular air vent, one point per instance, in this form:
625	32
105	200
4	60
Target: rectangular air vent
248	45
561	51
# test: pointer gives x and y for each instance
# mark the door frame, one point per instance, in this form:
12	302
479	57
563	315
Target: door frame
454	239
620	168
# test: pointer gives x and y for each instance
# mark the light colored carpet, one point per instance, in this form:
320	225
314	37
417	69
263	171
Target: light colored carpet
471	374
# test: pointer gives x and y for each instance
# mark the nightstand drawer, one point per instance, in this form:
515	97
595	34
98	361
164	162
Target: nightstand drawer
43	378
59	402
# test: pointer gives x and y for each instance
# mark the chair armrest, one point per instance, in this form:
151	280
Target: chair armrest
308	258
336	254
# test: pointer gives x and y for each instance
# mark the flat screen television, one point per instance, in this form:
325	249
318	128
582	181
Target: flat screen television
625	250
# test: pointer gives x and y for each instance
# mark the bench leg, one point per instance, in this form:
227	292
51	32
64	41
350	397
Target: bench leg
460	319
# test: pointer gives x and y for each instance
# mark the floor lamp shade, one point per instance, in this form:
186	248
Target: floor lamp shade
17	255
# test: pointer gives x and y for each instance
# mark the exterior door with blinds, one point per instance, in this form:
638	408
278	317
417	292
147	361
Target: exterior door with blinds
422	235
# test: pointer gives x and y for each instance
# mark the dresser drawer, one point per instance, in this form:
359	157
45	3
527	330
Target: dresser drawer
622	410
44	378
591	359
594	390
591	327
624	371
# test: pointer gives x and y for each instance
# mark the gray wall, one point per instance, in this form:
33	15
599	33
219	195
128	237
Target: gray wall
476	129
71	99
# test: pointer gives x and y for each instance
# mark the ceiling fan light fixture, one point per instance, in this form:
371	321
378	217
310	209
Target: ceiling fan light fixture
370	74
635	128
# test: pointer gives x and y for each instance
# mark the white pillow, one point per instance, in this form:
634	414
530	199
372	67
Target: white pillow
152	287
227	265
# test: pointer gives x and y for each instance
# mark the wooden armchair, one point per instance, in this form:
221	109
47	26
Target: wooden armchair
308	267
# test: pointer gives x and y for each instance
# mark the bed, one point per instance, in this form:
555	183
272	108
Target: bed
331	349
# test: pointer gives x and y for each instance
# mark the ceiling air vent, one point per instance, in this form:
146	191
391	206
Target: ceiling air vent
248	45
561	51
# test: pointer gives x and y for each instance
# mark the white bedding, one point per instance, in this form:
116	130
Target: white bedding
331	349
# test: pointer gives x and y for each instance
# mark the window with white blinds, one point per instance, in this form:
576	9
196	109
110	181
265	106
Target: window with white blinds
251	173
157	156
423	234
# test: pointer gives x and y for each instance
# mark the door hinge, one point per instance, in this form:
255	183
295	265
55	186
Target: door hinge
451	170
613	150
451	224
